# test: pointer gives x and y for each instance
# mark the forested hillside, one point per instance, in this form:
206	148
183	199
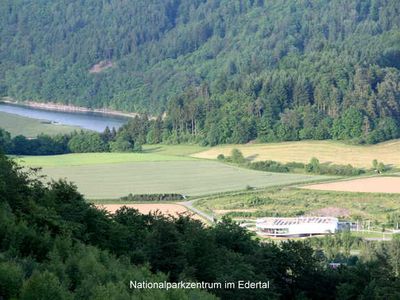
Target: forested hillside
224	71
54	245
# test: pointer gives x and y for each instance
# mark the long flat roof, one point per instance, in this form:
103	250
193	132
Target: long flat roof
296	221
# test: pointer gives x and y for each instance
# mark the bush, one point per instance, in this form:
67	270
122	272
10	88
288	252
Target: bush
295	165
269	166
237	156
153	197
257	201
316	167
313	166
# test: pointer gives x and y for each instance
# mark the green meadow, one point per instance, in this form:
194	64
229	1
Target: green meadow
184	176
158	169
85	159
151	153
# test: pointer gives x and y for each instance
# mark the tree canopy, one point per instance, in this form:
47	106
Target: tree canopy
55	245
262	69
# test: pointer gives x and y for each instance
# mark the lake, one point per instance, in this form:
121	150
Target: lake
92	121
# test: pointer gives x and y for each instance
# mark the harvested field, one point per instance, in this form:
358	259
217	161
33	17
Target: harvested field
363	185
326	151
165	209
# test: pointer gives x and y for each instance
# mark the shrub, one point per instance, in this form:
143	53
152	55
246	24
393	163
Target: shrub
269	166
221	157
237	156
153	197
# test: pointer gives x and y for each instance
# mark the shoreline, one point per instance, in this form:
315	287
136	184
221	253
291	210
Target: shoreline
52	106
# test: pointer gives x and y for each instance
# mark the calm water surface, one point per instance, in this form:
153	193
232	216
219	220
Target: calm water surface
92	121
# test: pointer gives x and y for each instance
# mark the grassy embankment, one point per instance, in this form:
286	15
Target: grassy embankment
18	125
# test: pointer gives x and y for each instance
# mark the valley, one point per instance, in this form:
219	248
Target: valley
150	145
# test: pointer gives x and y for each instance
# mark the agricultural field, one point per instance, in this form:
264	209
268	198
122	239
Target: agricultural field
18	125
146	208
151	153
188	177
174	150
303	151
159	169
384	184
291	201
86	159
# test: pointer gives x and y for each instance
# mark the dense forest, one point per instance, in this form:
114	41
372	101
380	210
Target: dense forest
54	245
223	71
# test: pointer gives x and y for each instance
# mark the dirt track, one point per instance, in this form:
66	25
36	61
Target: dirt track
364	185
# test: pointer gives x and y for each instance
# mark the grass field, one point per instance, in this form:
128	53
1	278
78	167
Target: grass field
174	150
84	159
189	177
325	151
150	153
288	202
28	127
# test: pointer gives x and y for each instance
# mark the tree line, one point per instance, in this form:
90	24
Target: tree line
186	122
75	142
55	245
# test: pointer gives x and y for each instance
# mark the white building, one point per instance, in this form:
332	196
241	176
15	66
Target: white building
295	227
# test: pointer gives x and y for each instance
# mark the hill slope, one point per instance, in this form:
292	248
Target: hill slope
301	63
159	47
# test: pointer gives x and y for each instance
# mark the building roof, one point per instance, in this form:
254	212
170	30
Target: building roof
278	222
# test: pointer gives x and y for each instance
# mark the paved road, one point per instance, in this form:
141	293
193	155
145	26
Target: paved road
189	205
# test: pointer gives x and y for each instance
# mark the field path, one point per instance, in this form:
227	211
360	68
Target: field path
189	205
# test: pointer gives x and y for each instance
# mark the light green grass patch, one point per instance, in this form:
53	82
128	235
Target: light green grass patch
18	125
84	159
183	176
175	150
